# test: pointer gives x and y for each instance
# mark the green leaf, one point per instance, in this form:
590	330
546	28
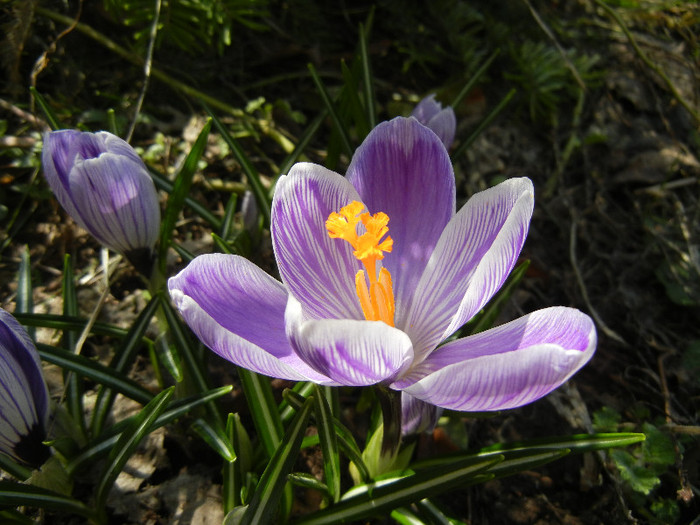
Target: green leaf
640	478
474	79
164	184
46	109
62	322
263	409
330	106
270	488
658	449
14	494
483	124
606	419
215	439
139	427
384	496
95	371
181	189
367	78
302	143
70	301
122	360
307	481
175	410
256	185
329	444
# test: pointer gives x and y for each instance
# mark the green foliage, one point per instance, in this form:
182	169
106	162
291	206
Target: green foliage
545	76
192	25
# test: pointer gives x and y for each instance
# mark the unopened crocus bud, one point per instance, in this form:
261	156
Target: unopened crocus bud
24	399
441	121
104	185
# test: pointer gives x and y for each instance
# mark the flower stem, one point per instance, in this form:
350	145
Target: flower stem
390	401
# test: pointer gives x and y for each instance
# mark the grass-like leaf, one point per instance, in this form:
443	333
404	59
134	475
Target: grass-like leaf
256	185
92	369
14	494
139	428
333	112
215	439
181	188
46	109
263	409
483	124
175	410
384	496
329	443
270	488
123	358
164	184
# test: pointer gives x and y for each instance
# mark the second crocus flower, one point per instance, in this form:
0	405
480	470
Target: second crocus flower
24	399
105	187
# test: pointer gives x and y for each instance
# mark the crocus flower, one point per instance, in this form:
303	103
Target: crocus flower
104	185
377	271
24	399
443	122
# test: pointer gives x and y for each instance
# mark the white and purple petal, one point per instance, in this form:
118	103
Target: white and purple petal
117	202
103	184
442	122
350	352
317	270
472	259
237	310
417	416
24	398
403	170
507	366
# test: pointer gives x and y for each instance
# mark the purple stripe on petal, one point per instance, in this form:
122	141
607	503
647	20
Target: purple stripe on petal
352	353
417	416
507	366
403	170
103	184
317	270
237	310
474	256
24	397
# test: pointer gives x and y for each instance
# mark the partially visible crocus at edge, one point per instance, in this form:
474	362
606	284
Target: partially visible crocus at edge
390	222
104	185
24	398
442	122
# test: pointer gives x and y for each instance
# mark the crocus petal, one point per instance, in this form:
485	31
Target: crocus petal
24	398
119	211
237	310
474	256
442	122
317	270
444	125
103	184
403	170
352	353
508	366
417	416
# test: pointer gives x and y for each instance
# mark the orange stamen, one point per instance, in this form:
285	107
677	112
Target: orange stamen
377	299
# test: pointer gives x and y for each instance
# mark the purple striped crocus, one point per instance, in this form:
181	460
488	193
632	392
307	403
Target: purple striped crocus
378	270
443	122
24	399
104	185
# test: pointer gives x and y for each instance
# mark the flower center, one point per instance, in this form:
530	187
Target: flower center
377	299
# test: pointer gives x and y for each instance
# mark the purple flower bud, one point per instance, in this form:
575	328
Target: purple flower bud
104	185
24	399
442	122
